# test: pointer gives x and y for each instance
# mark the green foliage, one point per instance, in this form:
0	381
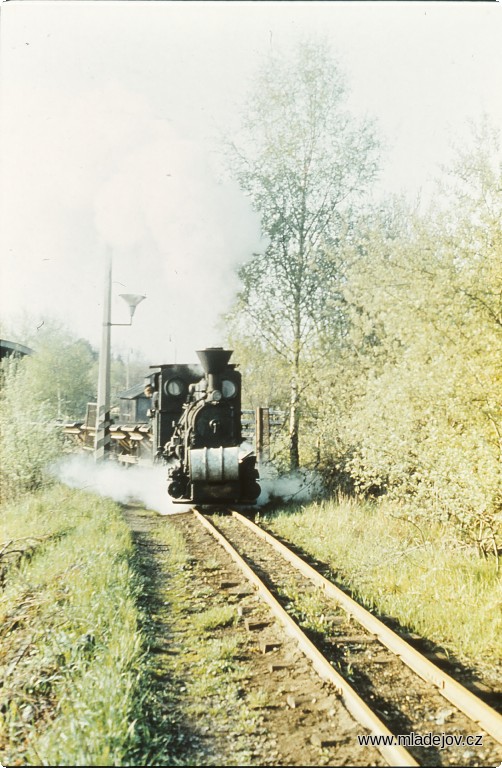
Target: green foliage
416	413
393	365
63	372
305	164
71	646
412	572
29	438
218	616
40	392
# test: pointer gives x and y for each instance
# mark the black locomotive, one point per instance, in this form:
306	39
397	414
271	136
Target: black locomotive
196	411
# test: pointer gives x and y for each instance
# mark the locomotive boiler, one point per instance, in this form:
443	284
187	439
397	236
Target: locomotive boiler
197	431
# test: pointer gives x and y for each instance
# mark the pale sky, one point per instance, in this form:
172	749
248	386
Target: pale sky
108	116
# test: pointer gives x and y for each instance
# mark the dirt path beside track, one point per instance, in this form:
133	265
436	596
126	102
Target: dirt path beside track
229	695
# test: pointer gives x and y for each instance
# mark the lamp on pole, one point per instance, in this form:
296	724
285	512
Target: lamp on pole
102	439
132	299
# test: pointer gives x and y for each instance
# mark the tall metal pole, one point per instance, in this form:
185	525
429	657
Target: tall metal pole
102	439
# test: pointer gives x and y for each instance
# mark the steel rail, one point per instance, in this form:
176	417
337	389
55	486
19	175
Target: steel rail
472	706
394	754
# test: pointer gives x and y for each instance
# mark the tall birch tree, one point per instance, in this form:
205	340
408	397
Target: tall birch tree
305	163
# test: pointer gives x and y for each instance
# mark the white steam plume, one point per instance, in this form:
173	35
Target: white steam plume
178	233
147	485
116	174
300	486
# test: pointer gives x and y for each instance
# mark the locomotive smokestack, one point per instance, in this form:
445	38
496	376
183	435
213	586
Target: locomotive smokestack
214	361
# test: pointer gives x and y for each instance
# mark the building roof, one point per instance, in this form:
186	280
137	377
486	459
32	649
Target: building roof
13	348
133	392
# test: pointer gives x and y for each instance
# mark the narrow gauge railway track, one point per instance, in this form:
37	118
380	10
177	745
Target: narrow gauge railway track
393	689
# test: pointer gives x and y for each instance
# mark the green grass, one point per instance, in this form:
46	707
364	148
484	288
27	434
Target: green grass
218	616
205	679
80	609
69	631
408	571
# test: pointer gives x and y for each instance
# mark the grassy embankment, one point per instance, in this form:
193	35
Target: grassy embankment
79	686
72	646
80	613
412	573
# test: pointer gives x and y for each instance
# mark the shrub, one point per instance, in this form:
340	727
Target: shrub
29	440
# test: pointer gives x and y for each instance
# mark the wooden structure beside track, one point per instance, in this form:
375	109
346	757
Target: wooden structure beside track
132	442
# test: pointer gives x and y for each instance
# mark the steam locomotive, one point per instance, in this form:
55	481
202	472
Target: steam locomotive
193	426
196	412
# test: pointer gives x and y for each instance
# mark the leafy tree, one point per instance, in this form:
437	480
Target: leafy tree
263	387
29	441
424	422
63	372
305	164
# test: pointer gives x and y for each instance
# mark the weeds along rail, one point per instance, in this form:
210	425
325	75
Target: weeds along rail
346	642
393	754
470	704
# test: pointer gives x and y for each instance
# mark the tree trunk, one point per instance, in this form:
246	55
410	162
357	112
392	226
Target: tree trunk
59	397
294	456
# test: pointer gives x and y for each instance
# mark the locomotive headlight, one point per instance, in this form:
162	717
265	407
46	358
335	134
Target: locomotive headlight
216	395
228	388
174	387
